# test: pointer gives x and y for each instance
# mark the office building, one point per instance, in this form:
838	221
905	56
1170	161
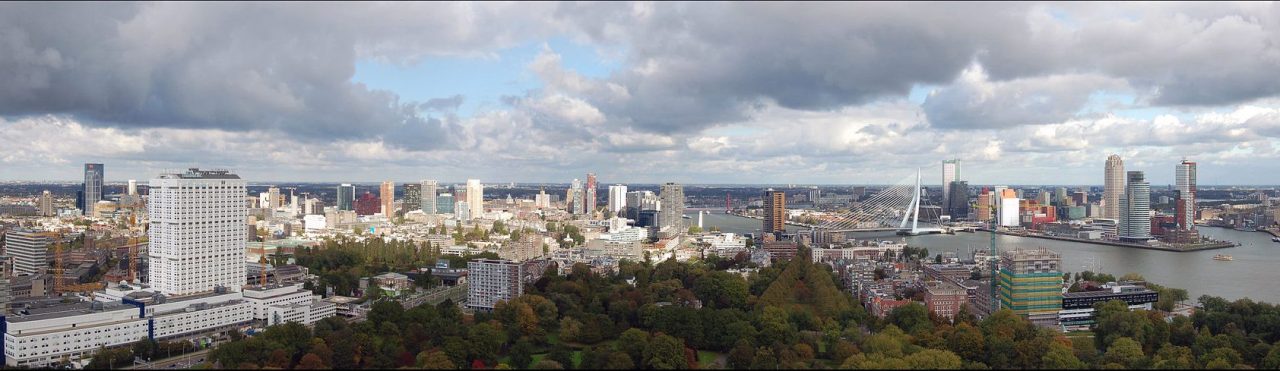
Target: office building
387	194
46	204
29	249
1077	307
958	200
542	200
273	198
944	298
1009	204
133	187
1030	284
950	173
475	199
368	204
671	211
638	201
429	200
984	206
1113	187
197	226
775	212
444	203
491	281
6	291
412	197
1186	203
574	197
346	197
1135	209
462	210
617	198
93	177
589	198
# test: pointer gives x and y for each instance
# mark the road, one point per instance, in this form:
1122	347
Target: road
180	362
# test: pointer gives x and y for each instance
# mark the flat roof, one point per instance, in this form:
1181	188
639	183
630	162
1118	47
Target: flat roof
65	310
1104	293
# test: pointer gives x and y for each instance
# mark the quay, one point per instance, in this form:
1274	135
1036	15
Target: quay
1199	247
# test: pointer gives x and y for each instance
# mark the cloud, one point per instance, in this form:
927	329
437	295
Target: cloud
973	101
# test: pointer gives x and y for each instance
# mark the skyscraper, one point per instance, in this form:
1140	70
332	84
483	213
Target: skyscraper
1135	209
1186	204
133	187
93	174
475	198
1031	284
387	193
617	198
671	211
444	203
984	206
273	198
429	205
542	200
46	203
775	212
28	249
1113	187
196	246
950	173
958	207
346	197
573	198
412	197
590	196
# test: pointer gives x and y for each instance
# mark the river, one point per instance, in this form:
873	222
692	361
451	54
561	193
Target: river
1255	272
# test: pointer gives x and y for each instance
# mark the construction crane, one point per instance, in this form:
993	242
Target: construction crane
262	259
59	271
992	254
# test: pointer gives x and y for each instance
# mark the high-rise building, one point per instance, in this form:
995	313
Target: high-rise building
1061	197
573	198
46	203
346	197
444	203
589	198
133	187
1080	198
1113	187
412	197
1186	204
617	198
958	207
815	196
1135	209
1008	210
1031	284
196	237
984	206
462	210
475	198
542	200
950	173
491	281
273	198
1044	198
429	205
6	297
671	212
638	201
28	248
775	212
368	204
387	194
93	175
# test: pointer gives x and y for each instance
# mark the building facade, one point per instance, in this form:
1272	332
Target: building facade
1135	205
589	197
196	237
950	173
671	212
93	175
429	201
412	197
1113	187
387	196
28	249
945	298
775	212
1031	284
475	198
1186	203
617	198
958	200
346	197
491	281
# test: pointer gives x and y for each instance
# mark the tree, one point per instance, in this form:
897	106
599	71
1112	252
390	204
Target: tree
310	361
1226	356
618	361
1272	360
485	341
384	311
741	355
1124	351
435	360
1173	357
665	353
967	342
1060	357
933	359
521	354
633	343
720	289
912	318
547	364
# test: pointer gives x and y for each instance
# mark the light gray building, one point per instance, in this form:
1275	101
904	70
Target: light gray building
28	249
1135	209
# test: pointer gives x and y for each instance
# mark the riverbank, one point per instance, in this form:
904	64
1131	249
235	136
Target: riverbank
1202	247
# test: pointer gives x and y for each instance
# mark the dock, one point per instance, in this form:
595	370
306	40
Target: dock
1199	247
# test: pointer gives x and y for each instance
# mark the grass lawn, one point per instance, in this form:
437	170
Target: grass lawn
706	358
577	358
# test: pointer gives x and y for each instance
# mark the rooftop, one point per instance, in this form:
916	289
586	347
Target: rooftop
196	173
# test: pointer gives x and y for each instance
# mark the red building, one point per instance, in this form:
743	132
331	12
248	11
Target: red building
944	298
1162	223
780	250
368	204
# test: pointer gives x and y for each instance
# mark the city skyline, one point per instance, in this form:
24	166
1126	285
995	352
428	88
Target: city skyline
813	93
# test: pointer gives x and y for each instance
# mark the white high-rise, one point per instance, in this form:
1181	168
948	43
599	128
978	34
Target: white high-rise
1135	209
197	231
950	173
133	187
475	198
1113	187
1186	181
671	214
428	197
617	198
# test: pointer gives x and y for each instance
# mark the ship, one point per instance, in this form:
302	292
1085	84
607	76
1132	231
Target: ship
1275	239
1223	257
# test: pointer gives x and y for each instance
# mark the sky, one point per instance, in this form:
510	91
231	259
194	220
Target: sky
804	93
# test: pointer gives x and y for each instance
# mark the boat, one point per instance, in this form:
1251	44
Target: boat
1223	257
1275	239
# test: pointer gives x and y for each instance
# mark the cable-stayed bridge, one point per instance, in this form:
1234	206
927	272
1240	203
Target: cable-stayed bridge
896	207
